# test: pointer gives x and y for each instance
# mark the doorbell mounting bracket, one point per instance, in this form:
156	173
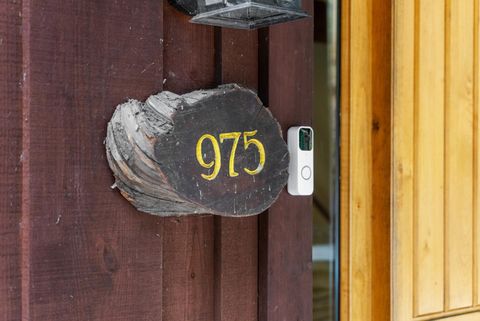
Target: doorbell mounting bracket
300	147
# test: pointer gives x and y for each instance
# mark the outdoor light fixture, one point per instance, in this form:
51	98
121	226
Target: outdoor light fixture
241	14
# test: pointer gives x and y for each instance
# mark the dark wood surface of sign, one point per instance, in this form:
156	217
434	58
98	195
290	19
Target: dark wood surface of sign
216	151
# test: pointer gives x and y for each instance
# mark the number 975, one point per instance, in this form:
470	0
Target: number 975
216	163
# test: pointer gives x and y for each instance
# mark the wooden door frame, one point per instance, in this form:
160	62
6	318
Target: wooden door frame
365	160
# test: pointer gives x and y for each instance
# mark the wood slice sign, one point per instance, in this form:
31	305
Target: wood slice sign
216	151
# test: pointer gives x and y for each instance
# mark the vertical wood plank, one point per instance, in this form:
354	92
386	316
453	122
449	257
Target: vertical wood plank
361	153
236	239
10	159
459	155
345	161
476	146
381	156
91	255
238	57
189	57
403	159
285	235
365	169
236	262
188	269
188	242
429	158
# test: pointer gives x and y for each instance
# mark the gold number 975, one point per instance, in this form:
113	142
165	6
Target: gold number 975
216	163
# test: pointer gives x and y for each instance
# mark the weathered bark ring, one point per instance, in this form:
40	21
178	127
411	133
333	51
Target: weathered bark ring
215	151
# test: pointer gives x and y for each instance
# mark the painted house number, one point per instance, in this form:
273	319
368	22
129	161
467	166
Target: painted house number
203	152
217	162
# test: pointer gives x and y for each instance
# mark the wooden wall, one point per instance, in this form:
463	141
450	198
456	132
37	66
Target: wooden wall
73	248
435	150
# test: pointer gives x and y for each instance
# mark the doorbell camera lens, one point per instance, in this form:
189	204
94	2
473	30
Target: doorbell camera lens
305	136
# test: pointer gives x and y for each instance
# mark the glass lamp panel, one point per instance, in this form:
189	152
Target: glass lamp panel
247	14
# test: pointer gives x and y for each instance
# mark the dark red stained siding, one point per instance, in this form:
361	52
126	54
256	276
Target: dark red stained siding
285	265
10	159
71	247
89	254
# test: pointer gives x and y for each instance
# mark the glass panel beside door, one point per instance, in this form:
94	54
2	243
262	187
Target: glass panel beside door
325	198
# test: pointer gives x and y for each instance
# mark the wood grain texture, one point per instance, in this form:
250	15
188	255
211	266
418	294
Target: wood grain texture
476	156
188	270
11	82
429	158
402	158
365	160
237	57
91	256
381	157
435	152
459	155
361	170
236	239
189	56
285	234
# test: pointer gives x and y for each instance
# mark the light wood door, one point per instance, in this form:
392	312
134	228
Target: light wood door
435	244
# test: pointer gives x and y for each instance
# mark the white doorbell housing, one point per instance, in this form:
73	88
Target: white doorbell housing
300	147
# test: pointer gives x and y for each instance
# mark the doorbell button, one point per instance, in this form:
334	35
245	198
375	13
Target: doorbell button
300	169
306	173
